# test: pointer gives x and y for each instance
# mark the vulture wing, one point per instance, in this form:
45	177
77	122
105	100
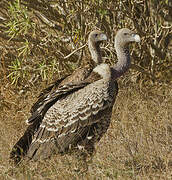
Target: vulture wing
21	148
68	121
61	87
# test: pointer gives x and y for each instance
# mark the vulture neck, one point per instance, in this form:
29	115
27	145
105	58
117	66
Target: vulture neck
123	64
95	51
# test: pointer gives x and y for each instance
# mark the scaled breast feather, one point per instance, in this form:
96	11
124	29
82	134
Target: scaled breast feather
77	110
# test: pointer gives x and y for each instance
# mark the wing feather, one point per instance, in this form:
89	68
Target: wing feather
44	93
57	90
76	111
68	124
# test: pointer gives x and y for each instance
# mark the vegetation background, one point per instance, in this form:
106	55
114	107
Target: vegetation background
36	35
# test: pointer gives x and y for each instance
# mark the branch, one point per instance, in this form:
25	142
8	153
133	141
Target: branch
46	21
75	51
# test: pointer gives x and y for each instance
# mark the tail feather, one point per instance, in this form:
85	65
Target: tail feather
20	149
46	143
40	151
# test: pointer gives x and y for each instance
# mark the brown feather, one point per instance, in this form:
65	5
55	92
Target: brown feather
38	141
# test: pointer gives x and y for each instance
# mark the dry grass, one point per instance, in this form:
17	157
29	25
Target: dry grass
138	144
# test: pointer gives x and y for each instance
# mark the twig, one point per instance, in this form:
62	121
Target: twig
75	51
166	27
44	19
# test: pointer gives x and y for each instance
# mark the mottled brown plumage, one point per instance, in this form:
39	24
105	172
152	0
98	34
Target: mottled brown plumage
81	73
79	112
78	119
58	90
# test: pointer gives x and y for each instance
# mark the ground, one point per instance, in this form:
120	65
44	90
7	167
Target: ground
138	144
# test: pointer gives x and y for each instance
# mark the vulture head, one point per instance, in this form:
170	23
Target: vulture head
125	36
96	37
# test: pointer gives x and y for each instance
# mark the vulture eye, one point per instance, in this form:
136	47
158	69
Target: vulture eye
96	35
125	34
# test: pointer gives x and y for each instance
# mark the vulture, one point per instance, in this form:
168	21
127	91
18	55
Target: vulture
65	86
77	114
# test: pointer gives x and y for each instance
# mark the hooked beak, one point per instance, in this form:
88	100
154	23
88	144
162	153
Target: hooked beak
136	37
102	37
